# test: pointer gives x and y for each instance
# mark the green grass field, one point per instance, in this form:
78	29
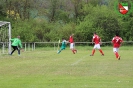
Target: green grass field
44	68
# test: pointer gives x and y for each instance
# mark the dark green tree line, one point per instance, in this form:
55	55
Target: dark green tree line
50	20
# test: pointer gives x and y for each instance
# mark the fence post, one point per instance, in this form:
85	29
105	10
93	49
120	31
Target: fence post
3	49
29	46
25	46
54	45
34	45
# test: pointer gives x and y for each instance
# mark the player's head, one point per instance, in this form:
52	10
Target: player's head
63	38
94	33
117	34
18	37
72	34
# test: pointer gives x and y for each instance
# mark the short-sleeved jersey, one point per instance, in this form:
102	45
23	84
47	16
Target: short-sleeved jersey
117	41
71	40
96	39
16	42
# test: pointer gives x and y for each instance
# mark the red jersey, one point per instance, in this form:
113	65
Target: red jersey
117	41
71	39
96	39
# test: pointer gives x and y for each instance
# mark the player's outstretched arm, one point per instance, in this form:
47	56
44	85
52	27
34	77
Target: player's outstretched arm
92	41
100	42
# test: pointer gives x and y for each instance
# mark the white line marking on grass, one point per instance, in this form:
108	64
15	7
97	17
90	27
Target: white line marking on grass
79	60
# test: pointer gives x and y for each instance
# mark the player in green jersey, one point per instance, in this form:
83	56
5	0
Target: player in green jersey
16	44
63	46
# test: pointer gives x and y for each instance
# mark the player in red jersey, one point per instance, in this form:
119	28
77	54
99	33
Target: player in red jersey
71	41
97	40
116	41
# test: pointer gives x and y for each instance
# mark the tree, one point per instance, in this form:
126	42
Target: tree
2	13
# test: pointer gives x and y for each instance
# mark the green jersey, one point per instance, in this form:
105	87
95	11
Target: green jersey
16	42
63	44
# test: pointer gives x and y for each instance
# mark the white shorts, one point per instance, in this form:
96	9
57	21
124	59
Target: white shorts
71	45
97	46
115	49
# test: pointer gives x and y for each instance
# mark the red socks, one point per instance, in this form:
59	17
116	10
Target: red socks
74	50
93	51
116	54
101	51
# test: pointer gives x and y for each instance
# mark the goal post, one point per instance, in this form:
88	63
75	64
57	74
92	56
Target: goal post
8	34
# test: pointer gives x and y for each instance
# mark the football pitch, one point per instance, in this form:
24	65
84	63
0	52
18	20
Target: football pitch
44	68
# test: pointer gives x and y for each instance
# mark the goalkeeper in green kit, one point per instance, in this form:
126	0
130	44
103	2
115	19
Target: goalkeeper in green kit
63	46
16	43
